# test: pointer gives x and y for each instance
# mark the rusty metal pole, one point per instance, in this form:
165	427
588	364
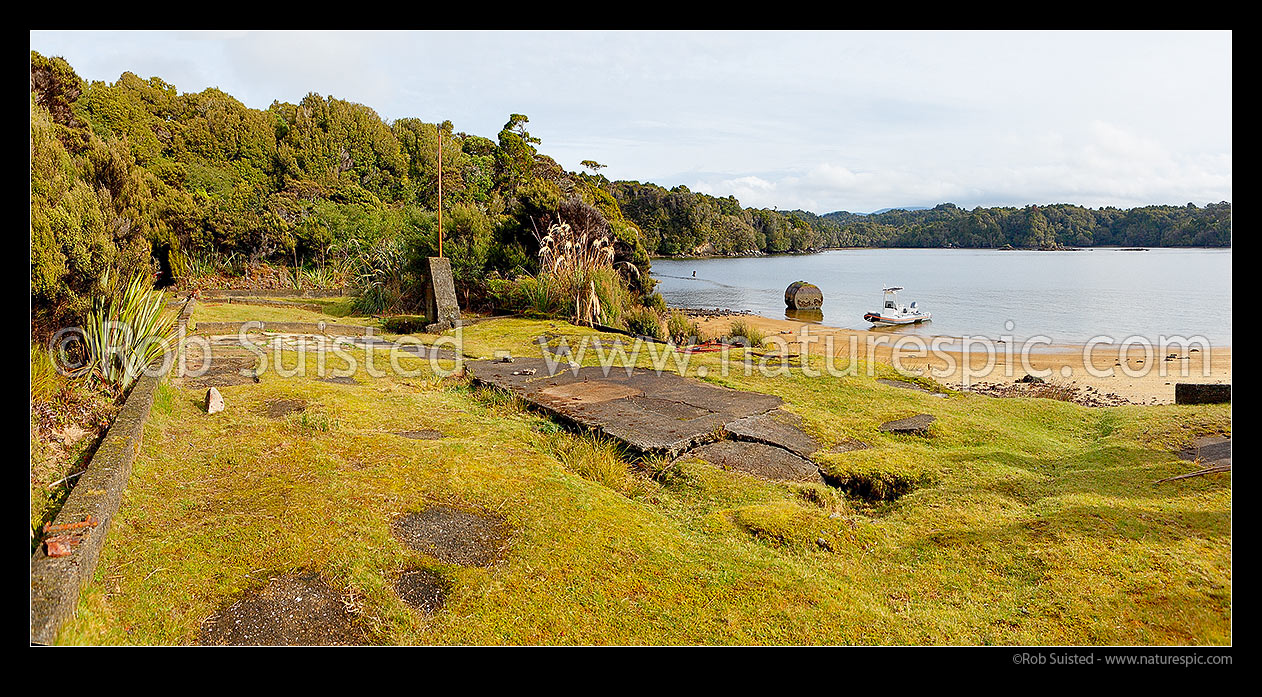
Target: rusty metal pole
440	191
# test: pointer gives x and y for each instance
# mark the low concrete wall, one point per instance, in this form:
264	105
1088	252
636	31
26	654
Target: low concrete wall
56	581
312	307
223	328
213	294
1201	393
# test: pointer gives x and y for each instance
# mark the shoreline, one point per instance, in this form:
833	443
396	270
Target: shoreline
802	252
1139	376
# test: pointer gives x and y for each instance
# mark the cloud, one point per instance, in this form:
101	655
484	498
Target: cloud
816	120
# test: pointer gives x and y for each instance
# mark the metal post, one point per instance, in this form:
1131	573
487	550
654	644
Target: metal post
440	190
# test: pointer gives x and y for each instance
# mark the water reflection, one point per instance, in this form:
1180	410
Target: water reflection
815	316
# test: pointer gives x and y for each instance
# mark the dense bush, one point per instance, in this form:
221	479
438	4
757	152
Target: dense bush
134	174
681	330
644	321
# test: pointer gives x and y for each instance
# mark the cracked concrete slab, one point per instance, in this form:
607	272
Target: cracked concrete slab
776	427
758	459
649	412
1211	450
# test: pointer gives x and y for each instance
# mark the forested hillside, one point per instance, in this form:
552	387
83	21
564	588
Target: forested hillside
134	173
679	221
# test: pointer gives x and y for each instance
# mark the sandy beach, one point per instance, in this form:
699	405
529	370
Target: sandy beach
1138	375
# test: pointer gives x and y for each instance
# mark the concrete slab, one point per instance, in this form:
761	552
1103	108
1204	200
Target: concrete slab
776	427
758	459
918	424
649	412
1212	450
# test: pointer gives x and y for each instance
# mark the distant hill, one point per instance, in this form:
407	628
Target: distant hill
678	221
898	208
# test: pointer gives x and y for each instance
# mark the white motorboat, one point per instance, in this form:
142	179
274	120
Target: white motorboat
893	312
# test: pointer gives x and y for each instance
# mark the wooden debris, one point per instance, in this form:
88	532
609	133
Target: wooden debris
1208	470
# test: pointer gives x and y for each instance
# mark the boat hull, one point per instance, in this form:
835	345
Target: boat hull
882	321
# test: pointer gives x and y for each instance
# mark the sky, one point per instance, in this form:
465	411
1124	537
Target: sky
820	121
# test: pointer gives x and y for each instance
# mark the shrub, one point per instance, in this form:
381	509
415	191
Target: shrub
125	332
404	324
643	321
656	302
681	330
380	274
576	263
44	379
743	331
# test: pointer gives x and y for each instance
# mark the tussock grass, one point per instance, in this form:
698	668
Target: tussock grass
744	331
786	523
592	457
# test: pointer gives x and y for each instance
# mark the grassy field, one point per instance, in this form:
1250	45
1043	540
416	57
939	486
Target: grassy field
1025	521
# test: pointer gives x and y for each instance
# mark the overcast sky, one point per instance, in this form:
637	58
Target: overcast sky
820	121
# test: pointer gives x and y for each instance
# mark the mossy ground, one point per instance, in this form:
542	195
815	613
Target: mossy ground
1027	521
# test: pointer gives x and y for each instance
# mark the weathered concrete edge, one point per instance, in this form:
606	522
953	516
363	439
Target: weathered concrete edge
264	302
282	293
287	328
675	449
56	581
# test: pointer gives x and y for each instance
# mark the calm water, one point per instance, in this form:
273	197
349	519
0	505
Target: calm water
1068	296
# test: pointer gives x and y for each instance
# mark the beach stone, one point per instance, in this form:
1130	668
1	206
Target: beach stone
801	295
776	427
214	401
758	459
1201	393
918	424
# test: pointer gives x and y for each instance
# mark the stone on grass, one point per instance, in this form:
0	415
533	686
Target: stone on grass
214	401
918	424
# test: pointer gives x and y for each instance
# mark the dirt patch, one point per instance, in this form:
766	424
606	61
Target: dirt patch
344	380
280	408
423	434
298	609
224	371
454	536
590	392
422	589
